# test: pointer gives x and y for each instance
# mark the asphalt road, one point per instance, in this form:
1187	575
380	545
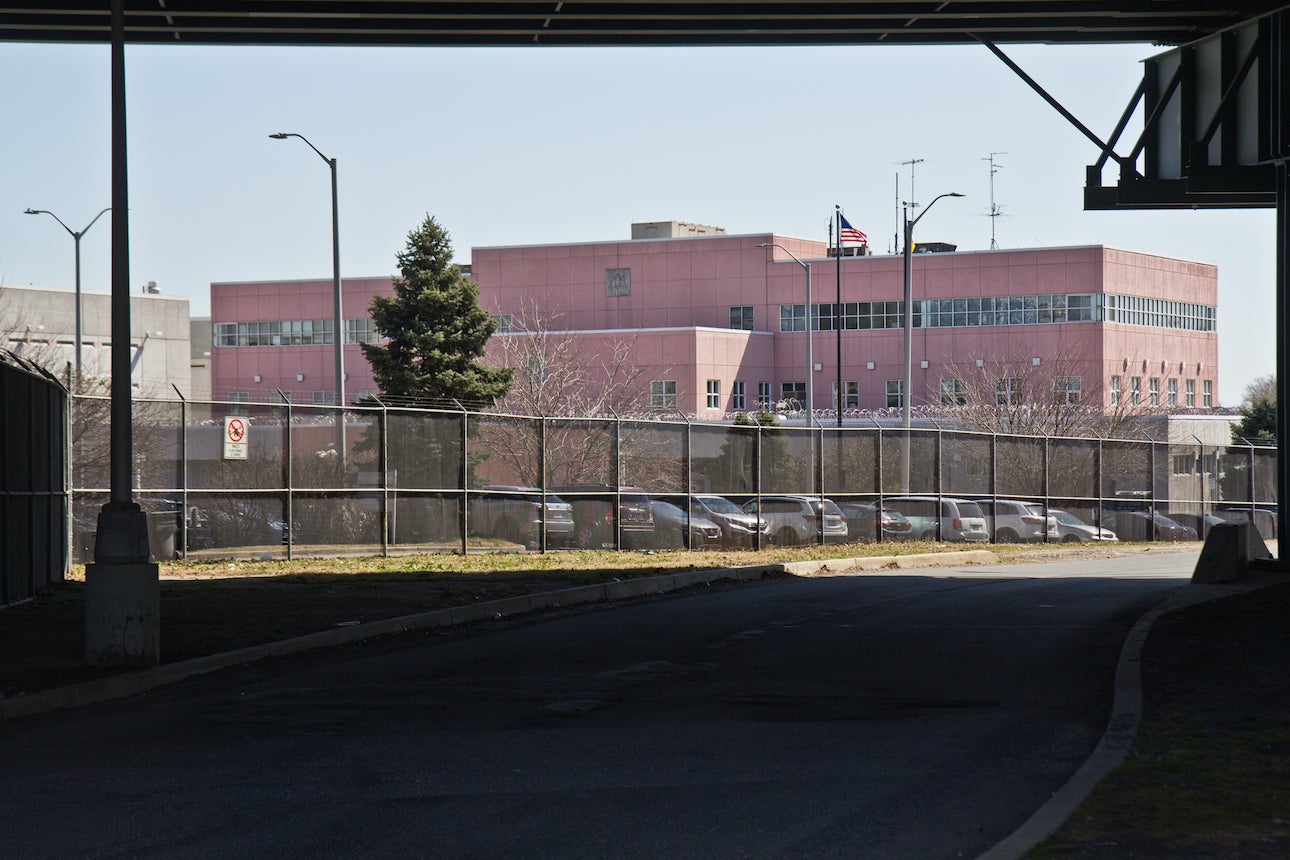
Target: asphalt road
858	716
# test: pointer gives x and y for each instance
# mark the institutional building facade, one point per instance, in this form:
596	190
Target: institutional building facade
39	323
718	324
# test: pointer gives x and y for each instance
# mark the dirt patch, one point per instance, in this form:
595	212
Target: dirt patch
1209	774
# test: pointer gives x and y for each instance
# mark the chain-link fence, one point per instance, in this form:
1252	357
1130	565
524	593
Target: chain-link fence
396	480
33	486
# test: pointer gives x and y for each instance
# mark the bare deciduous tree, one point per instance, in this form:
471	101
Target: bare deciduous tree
561	375
1064	397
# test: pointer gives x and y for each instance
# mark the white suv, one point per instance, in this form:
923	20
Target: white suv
1016	521
800	520
959	519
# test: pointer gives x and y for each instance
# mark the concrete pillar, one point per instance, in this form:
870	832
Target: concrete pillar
122	615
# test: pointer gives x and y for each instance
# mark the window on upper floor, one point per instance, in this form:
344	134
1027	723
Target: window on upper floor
662	394
738	400
894	398
714	394
1068	389
741	317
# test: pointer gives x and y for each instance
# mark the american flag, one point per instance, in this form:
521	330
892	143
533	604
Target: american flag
847	233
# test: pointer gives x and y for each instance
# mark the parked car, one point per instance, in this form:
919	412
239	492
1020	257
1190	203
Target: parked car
860	522
1141	525
738	527
1264	519
595	520
959	519
800	520
1017	521
674	529
1071	529
1198	523
515	514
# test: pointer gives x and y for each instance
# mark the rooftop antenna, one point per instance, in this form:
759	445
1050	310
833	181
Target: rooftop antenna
895	246
994	208
913	162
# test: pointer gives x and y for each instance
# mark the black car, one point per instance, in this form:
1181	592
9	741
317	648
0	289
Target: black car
738	527
670	528
596	517
860	523
1141	525
517	514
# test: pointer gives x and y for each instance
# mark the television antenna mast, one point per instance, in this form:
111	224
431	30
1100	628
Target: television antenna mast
995	209
913	162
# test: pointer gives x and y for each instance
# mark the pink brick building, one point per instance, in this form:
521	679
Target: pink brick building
716	322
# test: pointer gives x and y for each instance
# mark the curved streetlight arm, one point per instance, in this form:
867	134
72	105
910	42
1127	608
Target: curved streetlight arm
786	251
810	361
929	206
73	233
283	135
69	230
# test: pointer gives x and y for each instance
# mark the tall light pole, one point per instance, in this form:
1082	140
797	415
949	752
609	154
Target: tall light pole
338	325
810	359
76	239
907	383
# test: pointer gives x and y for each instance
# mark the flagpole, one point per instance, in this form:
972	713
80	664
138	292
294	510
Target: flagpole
837	310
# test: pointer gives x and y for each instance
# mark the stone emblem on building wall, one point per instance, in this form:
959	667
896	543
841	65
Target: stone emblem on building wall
618	282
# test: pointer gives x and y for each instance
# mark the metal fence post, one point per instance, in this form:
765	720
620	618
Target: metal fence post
289	475
1200	473
817	452
69	485
689	480
757	484
542	477
384	466
463	518
1250	488
618	481
183	472
878	535
994	468
1048	501
936	462
1151	467
1097	476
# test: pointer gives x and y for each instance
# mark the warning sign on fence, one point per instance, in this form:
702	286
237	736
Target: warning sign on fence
235	443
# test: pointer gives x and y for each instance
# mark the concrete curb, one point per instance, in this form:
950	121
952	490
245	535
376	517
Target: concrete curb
140	681
1122	728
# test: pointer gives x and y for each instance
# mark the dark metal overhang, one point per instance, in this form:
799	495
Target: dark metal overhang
592	23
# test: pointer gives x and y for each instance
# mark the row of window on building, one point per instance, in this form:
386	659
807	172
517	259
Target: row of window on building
1135	396
1009	391
278	396
854	316
291	333
989	311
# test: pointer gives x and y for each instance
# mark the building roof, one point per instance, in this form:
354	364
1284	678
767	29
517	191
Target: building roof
716	22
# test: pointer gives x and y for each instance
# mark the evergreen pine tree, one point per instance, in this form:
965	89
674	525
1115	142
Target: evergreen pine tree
435	329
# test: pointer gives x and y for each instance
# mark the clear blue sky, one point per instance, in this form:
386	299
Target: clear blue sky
522	146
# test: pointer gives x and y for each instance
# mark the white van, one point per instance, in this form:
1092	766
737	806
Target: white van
959	519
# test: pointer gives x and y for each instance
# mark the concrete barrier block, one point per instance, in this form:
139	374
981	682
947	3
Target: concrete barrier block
1226	555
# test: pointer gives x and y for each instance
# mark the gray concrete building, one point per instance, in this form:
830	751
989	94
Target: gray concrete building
39	324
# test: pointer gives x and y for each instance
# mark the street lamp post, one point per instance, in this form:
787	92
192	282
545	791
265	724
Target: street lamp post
76	239
338	324
810	359
907	392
